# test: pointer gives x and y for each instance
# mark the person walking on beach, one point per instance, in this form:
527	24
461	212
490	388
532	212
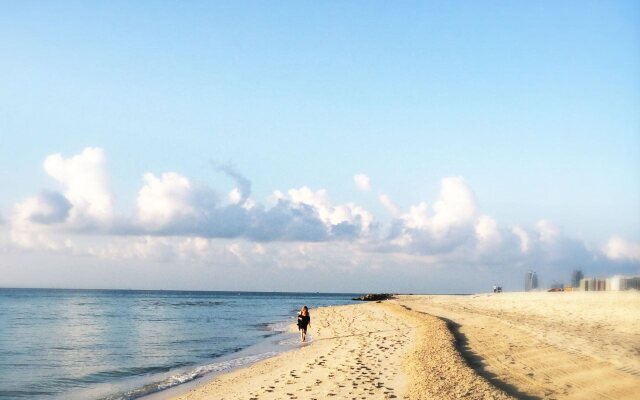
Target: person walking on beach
304	320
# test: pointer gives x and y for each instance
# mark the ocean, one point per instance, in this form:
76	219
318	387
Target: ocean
127	344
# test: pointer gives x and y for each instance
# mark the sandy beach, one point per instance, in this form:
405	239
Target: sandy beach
573	345
488	346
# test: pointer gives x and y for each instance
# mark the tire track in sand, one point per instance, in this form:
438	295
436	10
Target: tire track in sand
522	355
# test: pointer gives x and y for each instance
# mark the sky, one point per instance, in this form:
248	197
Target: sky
426	147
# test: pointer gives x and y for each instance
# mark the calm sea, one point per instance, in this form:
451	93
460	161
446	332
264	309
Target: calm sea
125	344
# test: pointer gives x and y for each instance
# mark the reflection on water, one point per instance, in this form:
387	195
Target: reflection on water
79	344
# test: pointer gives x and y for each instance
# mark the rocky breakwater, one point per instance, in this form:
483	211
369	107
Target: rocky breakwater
374	297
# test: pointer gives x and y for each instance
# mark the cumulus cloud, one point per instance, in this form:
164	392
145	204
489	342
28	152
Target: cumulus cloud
349	214
32	217
173	205
548	232
86	182
171	201
48	207
523	237
287	222
448	224
620	249
487	234
362	182
177	219
456	206
85	204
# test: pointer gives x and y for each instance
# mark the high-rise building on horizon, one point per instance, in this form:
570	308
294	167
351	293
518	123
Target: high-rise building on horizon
530	281
576	276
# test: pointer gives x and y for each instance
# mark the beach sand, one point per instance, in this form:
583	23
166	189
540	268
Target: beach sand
565	345
491	346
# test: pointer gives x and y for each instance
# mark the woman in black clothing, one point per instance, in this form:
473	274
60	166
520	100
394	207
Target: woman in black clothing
304	320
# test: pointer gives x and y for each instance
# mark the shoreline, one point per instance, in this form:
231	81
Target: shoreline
279	343
310	371
445	346
368	350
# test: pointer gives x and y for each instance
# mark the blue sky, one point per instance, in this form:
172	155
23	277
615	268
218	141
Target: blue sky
534	104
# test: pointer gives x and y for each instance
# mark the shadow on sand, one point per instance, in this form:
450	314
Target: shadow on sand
477	363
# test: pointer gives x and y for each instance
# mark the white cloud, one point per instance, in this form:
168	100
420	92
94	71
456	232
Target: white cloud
197	248
31	219
329	214
86	183
235	197
523	236
456	206
362	181
418	217
171	199
487	233
176	219
172	205
46	208
447	225
386	201
618	248
86	204
317	199
548	232
276	197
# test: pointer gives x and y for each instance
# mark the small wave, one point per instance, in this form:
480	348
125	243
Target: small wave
277	327
98	377
188	376
221	353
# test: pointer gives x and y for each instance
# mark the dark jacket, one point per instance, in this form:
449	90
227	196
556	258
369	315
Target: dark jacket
303	321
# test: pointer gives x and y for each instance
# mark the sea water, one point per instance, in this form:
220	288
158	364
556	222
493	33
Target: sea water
126	344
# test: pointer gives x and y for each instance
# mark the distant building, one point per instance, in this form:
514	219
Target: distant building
615	283
618	282
530	281
576	276
593	284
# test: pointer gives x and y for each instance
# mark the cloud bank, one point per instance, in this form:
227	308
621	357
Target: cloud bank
177	218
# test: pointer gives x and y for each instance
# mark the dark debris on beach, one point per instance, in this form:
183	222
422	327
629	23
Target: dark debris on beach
374	297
